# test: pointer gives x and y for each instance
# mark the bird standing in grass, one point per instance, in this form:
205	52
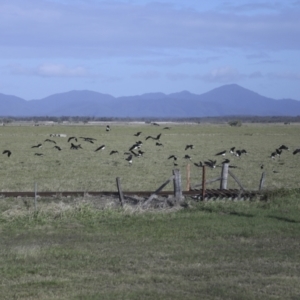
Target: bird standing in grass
129	159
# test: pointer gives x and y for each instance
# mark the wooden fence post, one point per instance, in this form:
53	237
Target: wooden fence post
188	177
224	177
262	180
177	185
120	191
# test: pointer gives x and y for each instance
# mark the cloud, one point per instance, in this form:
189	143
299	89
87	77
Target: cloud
50	70
222	75
253	6
177	76
99	29
287	75
259	55
146	75
173	61
227	75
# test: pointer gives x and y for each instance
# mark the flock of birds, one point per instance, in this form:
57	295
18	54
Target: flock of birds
135	150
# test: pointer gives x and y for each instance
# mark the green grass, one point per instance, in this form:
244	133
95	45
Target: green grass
86	170
91	249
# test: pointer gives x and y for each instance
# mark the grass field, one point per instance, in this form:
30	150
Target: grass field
87	170
71	249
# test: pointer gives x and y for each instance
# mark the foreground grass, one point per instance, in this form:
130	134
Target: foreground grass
210	250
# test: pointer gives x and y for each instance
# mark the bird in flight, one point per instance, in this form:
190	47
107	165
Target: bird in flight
39	154
221	153
296	151
8	152
113	152
72	138
189	147
138	133
100	148
48	140
172	156
37	146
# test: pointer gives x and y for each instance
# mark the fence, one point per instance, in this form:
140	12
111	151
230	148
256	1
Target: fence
198	192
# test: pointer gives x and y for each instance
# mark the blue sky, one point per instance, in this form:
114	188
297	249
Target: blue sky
131	47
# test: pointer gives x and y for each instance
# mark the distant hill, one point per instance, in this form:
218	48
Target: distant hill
227	100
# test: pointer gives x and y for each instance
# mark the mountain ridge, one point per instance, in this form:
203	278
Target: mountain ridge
225	100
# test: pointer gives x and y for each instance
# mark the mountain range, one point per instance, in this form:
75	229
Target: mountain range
227	100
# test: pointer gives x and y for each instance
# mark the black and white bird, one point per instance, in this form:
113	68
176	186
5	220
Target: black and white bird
137	145
223	153
199	165
187	157
154	138
283	147
75	147
273	155
232	150
296	151
57	147
159	144
173	156
8	152
278	152
107	128
211	163
189	147
113	152
129	159
134	153
72	138
226	161
88	139
238	153
37	146
102	147
158	137
39	154
141	153
48	140
138	133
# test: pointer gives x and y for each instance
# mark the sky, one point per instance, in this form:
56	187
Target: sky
132	47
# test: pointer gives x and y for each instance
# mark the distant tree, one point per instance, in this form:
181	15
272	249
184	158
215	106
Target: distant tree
235	123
